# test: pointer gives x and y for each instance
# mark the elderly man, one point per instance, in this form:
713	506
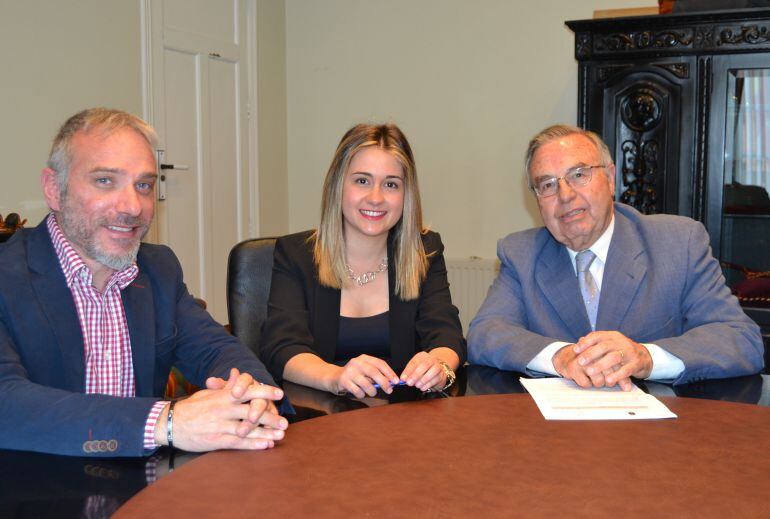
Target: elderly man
604	293
91	320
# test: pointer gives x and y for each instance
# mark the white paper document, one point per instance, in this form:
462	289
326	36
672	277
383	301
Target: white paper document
562	399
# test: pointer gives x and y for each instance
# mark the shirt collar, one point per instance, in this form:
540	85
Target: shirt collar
601	247
73	265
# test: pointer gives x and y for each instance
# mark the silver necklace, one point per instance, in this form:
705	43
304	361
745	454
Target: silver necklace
366	277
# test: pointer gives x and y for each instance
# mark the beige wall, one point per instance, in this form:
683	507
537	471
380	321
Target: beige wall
468	81
57	58
60	57
271	113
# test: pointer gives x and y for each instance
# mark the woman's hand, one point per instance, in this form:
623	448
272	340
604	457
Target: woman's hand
359	375
424	372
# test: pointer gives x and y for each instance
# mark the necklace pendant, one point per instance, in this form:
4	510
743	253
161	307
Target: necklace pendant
366	277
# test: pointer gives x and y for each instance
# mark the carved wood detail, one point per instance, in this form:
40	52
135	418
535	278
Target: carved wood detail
643	40
680	70
606	72
640	175
750	34
640	113
663	36
583	45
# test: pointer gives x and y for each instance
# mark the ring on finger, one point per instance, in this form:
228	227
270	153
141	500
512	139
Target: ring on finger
622	356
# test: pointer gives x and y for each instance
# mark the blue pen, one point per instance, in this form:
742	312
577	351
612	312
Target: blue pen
399	383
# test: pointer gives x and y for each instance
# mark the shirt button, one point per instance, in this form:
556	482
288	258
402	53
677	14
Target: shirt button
107	354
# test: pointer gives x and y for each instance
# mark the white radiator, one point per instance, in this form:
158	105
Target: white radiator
469	280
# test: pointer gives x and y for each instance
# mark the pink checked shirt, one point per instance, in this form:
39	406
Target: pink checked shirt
106	342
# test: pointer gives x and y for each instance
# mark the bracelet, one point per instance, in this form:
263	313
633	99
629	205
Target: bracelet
170	424
450	374
450	377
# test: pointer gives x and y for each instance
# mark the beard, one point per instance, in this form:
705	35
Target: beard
82	233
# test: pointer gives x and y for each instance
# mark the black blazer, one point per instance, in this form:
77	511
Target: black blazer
303	316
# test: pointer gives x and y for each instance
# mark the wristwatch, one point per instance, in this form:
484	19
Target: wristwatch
450	375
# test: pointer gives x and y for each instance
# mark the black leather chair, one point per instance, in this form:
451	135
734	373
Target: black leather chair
249	270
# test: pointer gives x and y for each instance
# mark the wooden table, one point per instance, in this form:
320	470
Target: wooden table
484	456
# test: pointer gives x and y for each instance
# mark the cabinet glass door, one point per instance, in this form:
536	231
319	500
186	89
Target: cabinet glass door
745	236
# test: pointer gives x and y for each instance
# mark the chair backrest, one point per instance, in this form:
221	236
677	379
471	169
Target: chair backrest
249	271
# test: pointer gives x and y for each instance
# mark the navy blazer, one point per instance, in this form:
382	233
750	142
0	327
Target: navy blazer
42	370
661	285
303	316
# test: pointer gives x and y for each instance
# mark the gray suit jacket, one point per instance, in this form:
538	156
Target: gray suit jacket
661	285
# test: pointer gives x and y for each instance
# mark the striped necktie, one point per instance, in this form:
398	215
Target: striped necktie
588	287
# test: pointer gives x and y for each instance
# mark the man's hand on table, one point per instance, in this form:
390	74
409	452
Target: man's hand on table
238	413
604	358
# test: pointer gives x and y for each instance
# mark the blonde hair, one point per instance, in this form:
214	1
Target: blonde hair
411	263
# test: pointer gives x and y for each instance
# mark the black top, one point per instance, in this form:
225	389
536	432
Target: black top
363	335
304	317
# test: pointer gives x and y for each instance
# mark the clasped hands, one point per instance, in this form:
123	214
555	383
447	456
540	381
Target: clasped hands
359	376
605	358
237	413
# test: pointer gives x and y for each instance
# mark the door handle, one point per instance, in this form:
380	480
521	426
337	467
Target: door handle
162	167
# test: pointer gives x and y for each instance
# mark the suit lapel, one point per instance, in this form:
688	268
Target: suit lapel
55	299
556	278
624	271
140	316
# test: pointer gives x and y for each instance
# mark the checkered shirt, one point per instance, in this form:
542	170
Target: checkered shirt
109	367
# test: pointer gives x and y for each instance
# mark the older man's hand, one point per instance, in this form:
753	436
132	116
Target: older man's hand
615	356
605	358
565	363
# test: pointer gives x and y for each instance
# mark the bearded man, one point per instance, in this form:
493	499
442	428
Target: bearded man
91	319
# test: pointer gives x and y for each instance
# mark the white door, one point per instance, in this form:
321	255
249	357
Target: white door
197	86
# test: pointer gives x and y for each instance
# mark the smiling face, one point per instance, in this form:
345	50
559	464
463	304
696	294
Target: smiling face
575	216
109	201
372	194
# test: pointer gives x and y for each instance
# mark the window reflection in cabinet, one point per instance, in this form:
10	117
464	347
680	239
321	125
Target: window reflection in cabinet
746	203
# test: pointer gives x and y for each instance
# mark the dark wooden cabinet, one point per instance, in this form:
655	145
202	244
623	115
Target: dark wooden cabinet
683	101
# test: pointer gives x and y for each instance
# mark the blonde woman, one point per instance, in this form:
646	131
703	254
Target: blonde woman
363	302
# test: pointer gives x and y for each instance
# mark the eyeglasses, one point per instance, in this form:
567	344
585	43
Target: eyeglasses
574	177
